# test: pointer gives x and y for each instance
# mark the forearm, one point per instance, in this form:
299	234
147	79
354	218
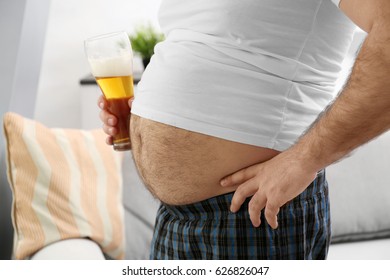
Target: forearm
362	110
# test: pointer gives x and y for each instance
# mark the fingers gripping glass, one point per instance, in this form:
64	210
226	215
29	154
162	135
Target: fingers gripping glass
111	60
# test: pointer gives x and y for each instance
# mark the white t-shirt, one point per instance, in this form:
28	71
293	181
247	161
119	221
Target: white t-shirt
252	71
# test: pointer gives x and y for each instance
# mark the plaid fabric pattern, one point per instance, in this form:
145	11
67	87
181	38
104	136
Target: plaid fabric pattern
208	230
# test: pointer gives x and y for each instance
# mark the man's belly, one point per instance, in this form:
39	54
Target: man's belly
181	167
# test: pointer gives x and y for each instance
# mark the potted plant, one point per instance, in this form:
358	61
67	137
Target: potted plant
143	40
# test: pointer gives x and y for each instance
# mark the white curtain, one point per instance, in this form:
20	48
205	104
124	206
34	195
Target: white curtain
22	35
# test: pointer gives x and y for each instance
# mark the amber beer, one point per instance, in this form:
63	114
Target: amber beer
114	77
118	90
111	59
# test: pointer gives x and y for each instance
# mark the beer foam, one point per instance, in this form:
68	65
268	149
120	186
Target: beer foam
112	67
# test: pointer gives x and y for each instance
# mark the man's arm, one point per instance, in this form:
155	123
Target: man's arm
362	110
360	113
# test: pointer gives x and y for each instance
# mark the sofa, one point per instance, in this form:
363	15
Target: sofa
359	191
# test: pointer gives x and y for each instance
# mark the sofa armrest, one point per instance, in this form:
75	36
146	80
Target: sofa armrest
363	250
70	249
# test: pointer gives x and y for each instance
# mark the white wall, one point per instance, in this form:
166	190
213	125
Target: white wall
64	63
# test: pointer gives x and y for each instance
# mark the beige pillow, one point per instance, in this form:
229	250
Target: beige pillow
66	183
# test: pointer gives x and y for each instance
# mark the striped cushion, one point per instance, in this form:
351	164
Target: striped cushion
66	183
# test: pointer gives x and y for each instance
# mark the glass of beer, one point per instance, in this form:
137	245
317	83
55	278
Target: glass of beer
110	57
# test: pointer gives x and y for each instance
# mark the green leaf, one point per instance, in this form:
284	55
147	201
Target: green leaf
144	39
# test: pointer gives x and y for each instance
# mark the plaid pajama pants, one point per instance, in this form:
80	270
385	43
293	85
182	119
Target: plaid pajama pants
208	230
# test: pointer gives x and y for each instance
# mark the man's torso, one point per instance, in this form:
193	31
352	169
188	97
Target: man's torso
235	83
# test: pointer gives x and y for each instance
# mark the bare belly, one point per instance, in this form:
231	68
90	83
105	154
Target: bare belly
181	167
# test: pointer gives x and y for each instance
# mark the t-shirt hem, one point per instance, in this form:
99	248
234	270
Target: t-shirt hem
209	129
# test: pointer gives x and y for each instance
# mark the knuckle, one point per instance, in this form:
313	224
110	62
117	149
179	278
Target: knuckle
237	177
268	214
109	140
104	116
242	192
246	172
109	130
271	213
101	116
239	192
237	198
272	207
99	100
105	128
253	205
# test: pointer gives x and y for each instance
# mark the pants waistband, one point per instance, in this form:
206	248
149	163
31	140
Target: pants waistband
220	205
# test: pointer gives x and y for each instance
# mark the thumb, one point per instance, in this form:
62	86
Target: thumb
131	101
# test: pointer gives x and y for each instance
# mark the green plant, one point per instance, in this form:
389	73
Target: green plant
143	40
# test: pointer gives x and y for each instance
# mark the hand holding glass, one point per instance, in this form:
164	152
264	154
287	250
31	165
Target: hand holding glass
111	59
